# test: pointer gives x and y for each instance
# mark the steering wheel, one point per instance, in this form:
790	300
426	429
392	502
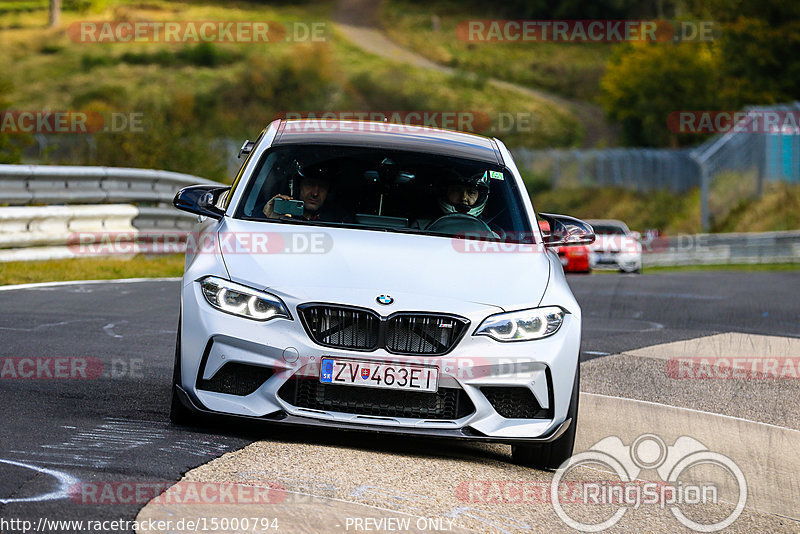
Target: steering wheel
455	223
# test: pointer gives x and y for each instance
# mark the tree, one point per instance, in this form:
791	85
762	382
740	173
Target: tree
646	82
55	13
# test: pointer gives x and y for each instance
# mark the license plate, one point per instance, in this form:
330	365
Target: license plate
379	375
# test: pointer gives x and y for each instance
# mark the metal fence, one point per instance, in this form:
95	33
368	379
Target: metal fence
755	158
763	156
755	155
639	169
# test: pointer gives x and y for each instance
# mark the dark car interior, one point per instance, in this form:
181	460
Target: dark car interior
384	189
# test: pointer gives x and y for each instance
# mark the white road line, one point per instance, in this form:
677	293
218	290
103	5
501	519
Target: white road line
690	410
65	482
37	285
109	329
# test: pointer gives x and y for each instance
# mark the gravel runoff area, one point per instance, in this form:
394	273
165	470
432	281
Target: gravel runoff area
329	481
330	485
655	374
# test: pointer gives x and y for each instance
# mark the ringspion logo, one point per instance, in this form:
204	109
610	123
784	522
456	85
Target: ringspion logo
674	464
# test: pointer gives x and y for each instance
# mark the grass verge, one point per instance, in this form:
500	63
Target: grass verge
778	209
747	267
140	266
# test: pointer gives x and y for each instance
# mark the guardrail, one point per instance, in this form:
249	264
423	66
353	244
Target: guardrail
29	232
47	232
722	249
67	184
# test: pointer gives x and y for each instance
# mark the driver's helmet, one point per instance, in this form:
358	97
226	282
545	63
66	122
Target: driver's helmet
479	181
301	172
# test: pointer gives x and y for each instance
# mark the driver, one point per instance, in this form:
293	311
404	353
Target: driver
314	183
465	194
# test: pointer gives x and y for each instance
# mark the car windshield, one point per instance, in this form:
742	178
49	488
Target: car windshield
387	190
601	229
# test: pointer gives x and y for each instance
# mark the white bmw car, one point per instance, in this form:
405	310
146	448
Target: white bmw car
379	277
616	247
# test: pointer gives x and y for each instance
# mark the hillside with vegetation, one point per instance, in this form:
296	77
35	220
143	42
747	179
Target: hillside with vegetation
189	94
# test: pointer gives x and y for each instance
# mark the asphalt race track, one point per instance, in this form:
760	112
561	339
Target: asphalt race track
112	426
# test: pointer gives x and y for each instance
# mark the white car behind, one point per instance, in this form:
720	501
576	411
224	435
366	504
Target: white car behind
615	247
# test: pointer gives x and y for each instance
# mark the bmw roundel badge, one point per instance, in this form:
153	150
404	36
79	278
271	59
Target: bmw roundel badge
384	299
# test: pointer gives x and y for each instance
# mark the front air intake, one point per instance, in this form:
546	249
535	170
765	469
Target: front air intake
446	404
515	403
235	378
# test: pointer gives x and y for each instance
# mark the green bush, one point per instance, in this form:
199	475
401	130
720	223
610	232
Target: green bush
645	82
11	145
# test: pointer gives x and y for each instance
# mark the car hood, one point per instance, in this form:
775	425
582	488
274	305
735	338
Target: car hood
351	266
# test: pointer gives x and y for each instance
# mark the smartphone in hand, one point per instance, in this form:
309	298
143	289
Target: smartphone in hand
288	207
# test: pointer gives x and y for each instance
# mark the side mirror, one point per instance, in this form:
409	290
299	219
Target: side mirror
566	231
636	235
247	147
201	200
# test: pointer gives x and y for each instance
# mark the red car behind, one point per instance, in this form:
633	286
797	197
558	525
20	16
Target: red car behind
575	259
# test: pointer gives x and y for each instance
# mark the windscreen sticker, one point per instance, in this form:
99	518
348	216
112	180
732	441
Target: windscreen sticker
496	175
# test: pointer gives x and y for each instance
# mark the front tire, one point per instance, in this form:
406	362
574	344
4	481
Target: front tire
178	413
551	455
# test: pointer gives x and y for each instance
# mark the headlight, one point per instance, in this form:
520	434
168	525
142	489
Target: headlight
522	325
243	301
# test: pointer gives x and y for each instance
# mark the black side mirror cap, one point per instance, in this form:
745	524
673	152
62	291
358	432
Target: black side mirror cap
566	231
201	200
247	147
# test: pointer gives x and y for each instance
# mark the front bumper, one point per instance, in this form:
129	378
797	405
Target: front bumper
462	433
625	261
211	339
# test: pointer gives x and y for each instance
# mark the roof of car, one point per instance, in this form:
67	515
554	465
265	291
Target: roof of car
608	222
388	135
